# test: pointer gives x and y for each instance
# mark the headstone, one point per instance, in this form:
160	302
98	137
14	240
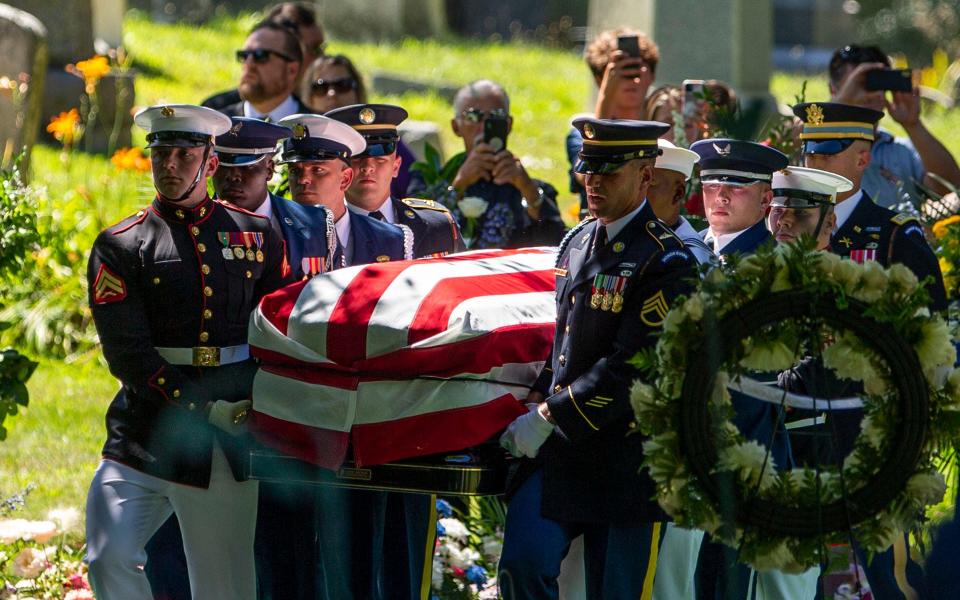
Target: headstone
382	19
111	127
731	41
23	64
108	24
391	83
417	134
70	23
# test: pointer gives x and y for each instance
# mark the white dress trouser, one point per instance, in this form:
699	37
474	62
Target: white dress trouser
125	507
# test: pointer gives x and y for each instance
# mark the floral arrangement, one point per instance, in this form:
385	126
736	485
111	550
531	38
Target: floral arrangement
467	550
890	302
37	561
947	233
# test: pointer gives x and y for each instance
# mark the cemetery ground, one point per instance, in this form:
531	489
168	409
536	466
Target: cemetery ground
54	444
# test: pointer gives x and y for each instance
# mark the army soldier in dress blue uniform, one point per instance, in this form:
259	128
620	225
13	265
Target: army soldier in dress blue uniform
617	275
435	231
837	138
171	291
318	155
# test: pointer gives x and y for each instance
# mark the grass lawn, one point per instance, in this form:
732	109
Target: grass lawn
56	442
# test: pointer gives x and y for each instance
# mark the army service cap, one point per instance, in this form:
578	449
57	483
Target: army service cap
608	144
830	127
377	123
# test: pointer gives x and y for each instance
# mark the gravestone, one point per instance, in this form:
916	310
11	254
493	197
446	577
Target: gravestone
70	23
23	64
417	134
729	40
382	19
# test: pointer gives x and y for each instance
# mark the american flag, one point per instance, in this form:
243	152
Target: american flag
401	359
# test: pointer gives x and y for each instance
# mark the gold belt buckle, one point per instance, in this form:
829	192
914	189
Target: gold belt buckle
206	356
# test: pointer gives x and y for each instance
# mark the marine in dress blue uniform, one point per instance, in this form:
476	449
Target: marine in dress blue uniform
171	290
866	231
616	280
435	231
362	239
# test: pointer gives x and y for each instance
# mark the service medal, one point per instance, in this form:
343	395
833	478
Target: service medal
250	255
238	252
607	303
259	255
227	254
617	303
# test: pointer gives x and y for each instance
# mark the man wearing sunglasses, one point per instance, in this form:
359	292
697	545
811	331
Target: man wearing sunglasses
434	229
899	165
270	62
521	211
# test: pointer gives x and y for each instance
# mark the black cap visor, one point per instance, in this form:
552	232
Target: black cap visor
182	139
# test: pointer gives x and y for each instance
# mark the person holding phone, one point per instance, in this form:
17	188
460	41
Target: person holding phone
861	76
623	62
519	210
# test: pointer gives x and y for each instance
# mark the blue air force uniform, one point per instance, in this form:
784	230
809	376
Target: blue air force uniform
613	294
434	229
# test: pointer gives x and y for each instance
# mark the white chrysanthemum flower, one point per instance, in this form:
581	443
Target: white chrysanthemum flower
847	273
870	431
671	324
903	278
873	281
826	263
455	529
935	347
472	207
642	397
750	461
928	488
848	360
771	355
775	559
693	307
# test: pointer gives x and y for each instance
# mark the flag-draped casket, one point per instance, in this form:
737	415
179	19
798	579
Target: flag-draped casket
401	359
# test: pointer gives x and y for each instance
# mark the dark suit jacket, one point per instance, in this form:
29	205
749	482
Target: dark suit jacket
591	466
236	109
305	234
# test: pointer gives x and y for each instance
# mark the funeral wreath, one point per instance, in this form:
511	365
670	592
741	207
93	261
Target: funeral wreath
765	313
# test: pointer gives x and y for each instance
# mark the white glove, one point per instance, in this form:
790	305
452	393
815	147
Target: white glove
230	416
526	434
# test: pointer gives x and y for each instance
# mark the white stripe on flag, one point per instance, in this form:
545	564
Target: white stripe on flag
305	403
482	314
310	316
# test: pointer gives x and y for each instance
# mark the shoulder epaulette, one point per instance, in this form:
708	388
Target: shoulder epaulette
425	203
660	232
244	211
124	225
573	232
903	218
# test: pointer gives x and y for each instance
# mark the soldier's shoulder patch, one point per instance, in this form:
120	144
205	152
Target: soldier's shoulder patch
902	218
676	254
108	286
423	203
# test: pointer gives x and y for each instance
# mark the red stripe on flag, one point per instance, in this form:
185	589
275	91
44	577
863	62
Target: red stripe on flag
434	313
435	432
347	328
323	447
277	306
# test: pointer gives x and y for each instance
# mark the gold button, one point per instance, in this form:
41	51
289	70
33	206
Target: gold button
632	425
191	406
139	213
249	274
208	291
176	393
201	247
566	329
161	381
556	389
203	211
205	269
195	230
156	280
207	313
562	360
204	336
179	214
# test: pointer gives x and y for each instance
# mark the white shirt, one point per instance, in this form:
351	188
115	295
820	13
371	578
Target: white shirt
615	227
720	240
386	209
844	209
284	109
264	209
343	227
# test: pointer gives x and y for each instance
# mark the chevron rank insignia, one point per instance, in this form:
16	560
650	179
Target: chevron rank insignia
654	310
108	287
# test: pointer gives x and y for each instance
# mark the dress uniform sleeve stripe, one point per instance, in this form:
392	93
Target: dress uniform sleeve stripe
574	401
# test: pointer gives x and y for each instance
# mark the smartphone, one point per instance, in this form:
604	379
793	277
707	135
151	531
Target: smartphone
896	80
692	98
629	45
495	132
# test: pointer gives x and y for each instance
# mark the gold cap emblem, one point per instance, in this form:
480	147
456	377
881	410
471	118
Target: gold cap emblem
814	114
588	131
166	111
367	116
299	131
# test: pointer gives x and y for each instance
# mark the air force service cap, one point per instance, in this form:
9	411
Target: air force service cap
316	137
676	159
737	162
802	187
377	123
608	144
183	125
248	142
830	127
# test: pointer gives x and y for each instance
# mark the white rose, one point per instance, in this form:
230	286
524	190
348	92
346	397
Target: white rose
29	563
453	528
472	207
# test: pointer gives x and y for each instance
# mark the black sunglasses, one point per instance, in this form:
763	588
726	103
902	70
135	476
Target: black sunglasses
475	115
340	86
260	55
